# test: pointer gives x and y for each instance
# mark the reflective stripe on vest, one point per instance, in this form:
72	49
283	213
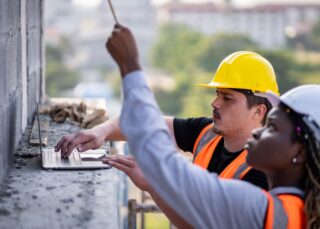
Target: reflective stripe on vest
204	148
285	211
204	137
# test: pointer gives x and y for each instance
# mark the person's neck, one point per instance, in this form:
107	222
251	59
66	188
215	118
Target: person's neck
237	142
292	177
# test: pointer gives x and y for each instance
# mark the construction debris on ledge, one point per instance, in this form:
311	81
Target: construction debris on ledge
79	113
89	112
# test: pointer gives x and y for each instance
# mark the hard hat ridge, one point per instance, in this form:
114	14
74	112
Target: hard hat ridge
303	100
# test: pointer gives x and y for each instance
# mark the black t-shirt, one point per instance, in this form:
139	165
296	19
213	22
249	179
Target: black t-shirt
186	133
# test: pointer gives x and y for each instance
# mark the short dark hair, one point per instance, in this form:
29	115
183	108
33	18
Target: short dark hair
253	100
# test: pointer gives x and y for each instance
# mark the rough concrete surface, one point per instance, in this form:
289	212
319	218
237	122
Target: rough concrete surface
37	198
21	61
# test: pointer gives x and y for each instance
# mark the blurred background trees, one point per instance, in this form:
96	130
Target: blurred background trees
59	77
187	48
191	58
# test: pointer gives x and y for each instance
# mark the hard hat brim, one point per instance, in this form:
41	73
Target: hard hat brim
209	85
218	85
215	85
273	98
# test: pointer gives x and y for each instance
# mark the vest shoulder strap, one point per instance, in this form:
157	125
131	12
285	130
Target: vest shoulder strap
204	137
238	168
294	207
276	217
285	211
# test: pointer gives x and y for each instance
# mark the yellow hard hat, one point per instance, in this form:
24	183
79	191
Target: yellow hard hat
245	70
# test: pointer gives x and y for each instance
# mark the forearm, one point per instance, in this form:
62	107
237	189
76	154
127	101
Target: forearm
111	130
174	218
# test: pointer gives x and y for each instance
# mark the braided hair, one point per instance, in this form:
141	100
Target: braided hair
303	134
312	186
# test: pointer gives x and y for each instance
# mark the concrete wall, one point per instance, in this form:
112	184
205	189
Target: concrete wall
20	71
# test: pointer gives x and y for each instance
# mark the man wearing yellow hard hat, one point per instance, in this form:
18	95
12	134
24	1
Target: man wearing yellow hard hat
217	143
241	81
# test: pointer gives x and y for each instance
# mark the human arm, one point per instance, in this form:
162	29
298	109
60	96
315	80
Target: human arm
95	137
128	165
201	198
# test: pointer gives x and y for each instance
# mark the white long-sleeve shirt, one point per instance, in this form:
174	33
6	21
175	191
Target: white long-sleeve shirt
200	197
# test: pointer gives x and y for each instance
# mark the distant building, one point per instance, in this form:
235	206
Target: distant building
268	25
88	28
140	16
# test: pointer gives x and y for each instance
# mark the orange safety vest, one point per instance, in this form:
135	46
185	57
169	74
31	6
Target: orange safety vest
204	148
285	211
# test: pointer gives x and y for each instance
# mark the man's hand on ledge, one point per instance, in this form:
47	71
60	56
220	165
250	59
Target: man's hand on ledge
123	49
83	140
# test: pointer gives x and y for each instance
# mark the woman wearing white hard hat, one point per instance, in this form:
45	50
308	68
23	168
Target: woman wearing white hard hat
287	149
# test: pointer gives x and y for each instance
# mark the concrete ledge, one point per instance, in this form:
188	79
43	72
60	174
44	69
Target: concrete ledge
37	198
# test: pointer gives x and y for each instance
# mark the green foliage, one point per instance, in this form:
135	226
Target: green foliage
59	77
215	48
176	48
300	41
307	77
156	221
170	102
306	41
187	99
113	79
191	58
315	35
197	102
283	64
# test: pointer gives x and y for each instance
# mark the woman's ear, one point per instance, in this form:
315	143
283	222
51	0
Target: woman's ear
300	155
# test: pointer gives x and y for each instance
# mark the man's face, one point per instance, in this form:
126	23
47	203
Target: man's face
270	149
231	114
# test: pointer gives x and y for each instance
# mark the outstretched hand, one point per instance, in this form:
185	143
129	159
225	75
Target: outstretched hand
128	165
123	49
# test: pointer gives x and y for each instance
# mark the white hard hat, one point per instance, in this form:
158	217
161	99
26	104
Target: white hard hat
303	100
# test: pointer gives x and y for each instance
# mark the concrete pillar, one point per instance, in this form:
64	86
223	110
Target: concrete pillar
24	115
21	72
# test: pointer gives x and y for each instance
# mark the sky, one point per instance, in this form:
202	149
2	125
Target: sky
246	2
93	3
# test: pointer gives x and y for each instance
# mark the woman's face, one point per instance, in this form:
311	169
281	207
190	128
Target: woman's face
271	149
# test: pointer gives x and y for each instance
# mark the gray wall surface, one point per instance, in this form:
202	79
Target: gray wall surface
21	69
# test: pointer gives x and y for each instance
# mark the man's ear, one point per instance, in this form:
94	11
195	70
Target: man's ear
259	111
